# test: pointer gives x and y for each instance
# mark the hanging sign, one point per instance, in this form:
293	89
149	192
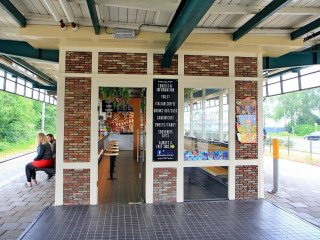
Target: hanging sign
165	119
108	106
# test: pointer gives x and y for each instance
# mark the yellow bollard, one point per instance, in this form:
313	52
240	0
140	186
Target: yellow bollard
275	148
276	182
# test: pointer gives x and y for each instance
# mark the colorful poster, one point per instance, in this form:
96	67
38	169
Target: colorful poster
246	120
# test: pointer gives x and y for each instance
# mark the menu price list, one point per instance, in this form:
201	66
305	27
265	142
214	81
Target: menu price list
165	119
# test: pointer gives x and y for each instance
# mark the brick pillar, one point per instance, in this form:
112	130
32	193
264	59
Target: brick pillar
246	176
164	185
77	125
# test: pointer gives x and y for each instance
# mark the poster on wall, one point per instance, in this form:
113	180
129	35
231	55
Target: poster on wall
246	120
165	119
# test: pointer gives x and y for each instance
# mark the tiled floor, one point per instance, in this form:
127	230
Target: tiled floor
229	220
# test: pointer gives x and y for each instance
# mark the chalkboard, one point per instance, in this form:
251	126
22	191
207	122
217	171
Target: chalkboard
107	106
165	119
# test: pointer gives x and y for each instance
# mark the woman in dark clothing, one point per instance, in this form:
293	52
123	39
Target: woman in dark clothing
42	160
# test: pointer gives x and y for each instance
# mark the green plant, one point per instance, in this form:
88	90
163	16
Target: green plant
120	96
304	129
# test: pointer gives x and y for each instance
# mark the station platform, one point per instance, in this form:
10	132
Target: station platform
229	220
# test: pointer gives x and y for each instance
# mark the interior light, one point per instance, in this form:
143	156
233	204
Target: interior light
123	33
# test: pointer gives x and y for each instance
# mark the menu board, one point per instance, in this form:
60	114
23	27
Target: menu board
108	106
165	119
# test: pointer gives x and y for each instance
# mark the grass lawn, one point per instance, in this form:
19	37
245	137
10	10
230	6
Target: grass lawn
18	148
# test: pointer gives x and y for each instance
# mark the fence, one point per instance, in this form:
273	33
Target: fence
295	145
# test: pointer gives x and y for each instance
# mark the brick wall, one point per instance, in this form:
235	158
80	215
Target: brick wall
206	65
246	182
244	89
246	67
77	119
122	63
164	185
76	186
157	70
78	62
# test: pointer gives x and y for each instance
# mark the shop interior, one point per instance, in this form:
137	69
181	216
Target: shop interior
206	131
121	145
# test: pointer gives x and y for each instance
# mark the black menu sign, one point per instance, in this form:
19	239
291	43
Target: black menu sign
165	119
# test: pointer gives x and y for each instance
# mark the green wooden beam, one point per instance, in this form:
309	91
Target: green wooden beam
13	12
295	59
34	70
94	16
265	13
305	29
191	14
23	49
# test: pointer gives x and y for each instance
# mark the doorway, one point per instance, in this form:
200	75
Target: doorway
122	124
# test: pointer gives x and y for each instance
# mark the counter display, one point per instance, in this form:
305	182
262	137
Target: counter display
125	140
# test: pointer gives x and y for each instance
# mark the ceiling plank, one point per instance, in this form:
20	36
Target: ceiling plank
265	13
13	12
305	29
94	16
189	17
23	49
242	9
154	5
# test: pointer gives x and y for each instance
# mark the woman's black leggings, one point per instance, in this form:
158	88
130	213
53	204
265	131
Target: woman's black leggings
30	172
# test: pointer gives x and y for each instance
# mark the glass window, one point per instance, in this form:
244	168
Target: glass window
290	85
1	83
274	89
2	73
41	97
274	80
12	77
206	129
20	89
35	94
29	84
308	70
10	86
21	81
264	91
28	92
289	75
310	81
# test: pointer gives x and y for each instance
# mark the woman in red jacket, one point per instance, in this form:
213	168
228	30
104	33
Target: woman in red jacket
42	160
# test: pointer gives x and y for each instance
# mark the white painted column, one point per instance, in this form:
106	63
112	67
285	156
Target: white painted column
221	117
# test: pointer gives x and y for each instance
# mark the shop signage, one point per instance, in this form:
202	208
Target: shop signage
165	119
108	106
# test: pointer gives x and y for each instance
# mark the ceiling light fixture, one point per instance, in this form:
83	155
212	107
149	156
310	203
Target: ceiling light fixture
123	33
74	26
63	25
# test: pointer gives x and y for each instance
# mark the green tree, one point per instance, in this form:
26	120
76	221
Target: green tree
16	118
298	107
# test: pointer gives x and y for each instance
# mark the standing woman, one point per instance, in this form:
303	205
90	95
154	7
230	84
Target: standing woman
42	160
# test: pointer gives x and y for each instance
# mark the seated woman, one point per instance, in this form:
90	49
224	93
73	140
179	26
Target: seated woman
42	160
